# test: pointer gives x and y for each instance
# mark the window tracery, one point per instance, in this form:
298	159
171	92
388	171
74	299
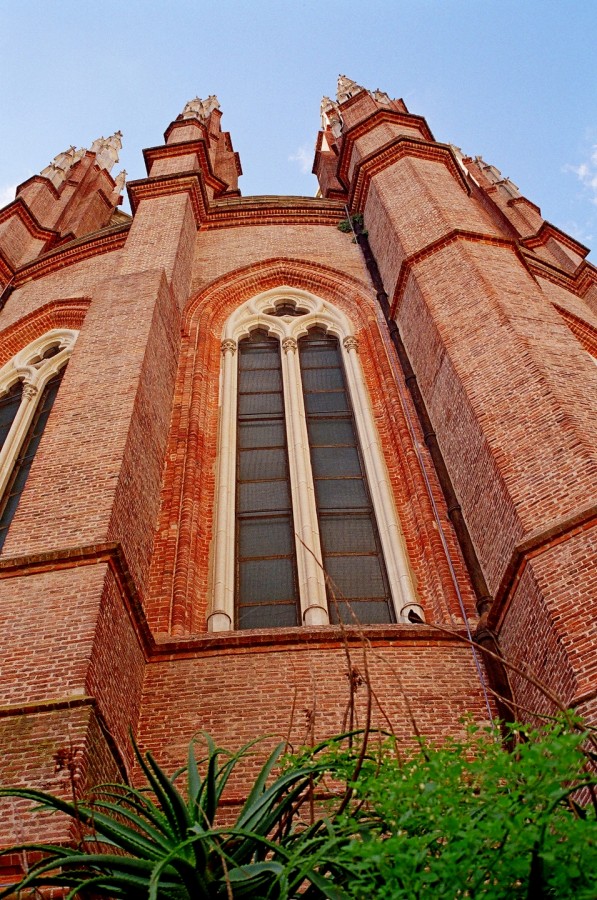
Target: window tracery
288	336
29	383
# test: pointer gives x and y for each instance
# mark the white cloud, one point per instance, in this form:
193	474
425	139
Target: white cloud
582	233
586	173
304	157
7	194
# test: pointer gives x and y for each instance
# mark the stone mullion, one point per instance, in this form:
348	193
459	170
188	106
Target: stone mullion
308	546
221	617
390	533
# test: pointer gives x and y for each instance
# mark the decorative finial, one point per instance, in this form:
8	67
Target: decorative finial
120	182
56	171
106	150
200	109
330	116
347	88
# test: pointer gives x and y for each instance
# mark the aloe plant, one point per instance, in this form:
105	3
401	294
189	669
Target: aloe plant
161	843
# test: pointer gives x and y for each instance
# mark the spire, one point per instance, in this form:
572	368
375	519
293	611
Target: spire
347	88
62	162
200	109
330	116
120	182
106	150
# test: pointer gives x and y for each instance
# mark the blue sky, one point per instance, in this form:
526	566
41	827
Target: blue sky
514	81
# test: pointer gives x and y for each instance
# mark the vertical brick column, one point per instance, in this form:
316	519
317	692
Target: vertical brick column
82	537
512	396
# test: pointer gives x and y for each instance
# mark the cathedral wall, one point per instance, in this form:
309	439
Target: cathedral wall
549	627
570	301
505	373
71	676
301	692
77	280
106	437
37	747
223	250
411	204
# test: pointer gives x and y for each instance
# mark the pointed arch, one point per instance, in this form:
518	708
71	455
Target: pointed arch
260	312
31	379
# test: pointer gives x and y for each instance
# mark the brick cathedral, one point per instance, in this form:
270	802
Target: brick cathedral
243	435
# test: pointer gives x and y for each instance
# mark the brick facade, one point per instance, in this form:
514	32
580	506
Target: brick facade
105	576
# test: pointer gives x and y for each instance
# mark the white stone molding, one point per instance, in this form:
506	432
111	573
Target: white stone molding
288	330
30	367
221	617
309	559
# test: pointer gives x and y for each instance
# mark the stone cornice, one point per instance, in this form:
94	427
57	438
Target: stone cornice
390	153
6	269
438	245
96	244
524	201
536	543
300	638
547	231
20	209
249	211
186	148
181	122
577	283
190	183
39	179
379	117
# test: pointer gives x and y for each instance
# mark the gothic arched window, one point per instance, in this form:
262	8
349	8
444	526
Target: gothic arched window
305	529
29	383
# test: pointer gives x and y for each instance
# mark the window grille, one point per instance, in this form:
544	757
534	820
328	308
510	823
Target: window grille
266	578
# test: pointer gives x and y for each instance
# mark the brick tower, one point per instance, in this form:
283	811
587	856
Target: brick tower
239	442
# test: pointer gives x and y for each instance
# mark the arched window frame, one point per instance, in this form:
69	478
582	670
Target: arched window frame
29	366
289	329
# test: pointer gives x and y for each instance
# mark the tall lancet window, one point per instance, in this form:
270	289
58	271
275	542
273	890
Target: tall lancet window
266	582
357	583
306	531
29	384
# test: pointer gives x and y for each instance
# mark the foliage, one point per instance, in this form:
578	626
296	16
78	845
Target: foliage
346	226
468	819
161	844
463	819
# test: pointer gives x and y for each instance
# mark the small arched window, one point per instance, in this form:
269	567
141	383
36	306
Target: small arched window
305	530
29	384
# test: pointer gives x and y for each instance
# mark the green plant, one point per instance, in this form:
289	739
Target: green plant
469	819
465	818
158	842
354	223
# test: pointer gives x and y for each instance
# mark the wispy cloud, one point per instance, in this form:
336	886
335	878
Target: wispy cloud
582	233
304	157
586	173
7	193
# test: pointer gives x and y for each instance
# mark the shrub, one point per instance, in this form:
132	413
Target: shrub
463	819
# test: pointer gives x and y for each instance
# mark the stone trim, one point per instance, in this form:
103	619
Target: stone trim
311	575
34	375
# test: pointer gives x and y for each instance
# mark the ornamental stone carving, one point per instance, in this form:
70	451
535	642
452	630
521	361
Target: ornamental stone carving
289	345
228	346
351	343
200	109
30	390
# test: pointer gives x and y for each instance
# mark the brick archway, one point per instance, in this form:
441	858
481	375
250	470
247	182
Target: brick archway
180	568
